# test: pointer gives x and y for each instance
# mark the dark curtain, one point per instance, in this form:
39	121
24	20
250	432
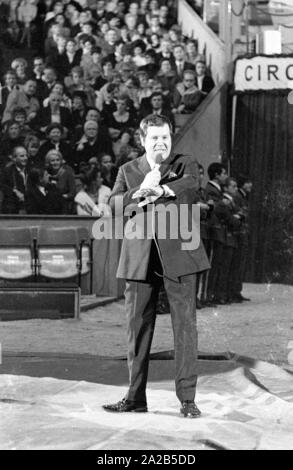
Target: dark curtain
263	148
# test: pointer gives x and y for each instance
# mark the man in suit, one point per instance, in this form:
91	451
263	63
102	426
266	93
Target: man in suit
204	82
240	257
156	181
13	182
180	63
218	175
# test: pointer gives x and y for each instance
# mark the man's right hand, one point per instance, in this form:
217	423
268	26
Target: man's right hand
152	179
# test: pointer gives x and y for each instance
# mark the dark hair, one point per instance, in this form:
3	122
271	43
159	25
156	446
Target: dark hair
35	176
87	177
18	110
153	120
215	169
54	125
242	179
156	93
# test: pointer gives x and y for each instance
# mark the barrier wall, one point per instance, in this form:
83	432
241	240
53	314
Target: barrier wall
105	252
205	133
209	43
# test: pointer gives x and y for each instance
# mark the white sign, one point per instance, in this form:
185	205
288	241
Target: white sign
263	73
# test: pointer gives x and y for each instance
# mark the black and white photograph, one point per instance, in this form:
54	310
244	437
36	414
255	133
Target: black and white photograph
146	228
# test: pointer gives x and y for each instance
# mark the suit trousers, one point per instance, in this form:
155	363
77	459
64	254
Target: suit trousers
140	301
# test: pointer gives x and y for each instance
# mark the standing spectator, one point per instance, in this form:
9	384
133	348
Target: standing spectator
26	12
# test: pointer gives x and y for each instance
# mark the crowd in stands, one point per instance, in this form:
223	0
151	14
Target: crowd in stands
70	113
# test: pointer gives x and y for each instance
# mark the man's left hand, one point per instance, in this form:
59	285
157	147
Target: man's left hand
157	192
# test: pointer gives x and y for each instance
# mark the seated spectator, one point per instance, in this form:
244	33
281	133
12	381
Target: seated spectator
63	177
19	116
78	84
55	141
59	89
91	145
166	53
49	78
167	76
55	58
157	107
37	75
19	65
122	145
109	170
180	63
92	199
32	144
187	96
42	197
151	66
54	113
204	82
23	98
10	83
191	51
79	110
92	67
122	118
10	139
70	58
13	182
144	90
138	50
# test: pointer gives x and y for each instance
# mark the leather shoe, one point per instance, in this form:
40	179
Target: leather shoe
243	299
125	406
190	410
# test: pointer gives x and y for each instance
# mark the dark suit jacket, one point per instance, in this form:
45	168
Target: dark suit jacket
216	229
207	84
180	173
38	203
44	117
186	66
11	179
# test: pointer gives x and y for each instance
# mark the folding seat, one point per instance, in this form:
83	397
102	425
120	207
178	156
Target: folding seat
16	253
62	252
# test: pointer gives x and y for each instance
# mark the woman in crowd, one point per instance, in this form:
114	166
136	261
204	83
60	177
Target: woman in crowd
63	177
122	118
92	199
109	170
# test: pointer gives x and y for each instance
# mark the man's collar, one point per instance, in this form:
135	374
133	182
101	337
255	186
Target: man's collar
228	196
216	185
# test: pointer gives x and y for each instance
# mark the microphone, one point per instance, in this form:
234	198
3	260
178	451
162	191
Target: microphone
158	160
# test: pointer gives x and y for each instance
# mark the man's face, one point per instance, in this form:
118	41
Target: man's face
157	102
21	157
39	66
20	118
13	131
157	142
165	66
55	135
247	187
10	80
178	53
188	81
70	47
91	131
107	161
133	8
49	76
232	188
200	69
190	48
221	177
111	36
30	88
165	46
92	115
